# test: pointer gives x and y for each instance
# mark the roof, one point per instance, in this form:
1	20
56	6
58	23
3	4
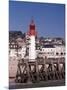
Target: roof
48	46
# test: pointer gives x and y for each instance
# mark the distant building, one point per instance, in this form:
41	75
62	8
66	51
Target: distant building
17	50
16	41
53	41
52	51
15	34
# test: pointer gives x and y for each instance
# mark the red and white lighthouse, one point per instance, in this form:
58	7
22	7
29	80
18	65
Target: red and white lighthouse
32	46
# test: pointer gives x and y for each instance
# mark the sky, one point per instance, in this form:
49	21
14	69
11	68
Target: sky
48	18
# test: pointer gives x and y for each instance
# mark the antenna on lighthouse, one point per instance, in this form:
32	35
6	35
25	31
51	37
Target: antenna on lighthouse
32	20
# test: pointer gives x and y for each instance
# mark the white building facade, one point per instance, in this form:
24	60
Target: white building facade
51	51
15	54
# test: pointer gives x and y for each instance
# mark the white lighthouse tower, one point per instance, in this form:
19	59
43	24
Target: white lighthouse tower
32	46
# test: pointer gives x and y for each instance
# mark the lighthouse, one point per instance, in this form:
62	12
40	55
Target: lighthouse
32	45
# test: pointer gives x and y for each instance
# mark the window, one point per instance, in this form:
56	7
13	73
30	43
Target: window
11	46
9	51
64	53
57	53
43	49
40	49
16	46
48	52
51	49
61	53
